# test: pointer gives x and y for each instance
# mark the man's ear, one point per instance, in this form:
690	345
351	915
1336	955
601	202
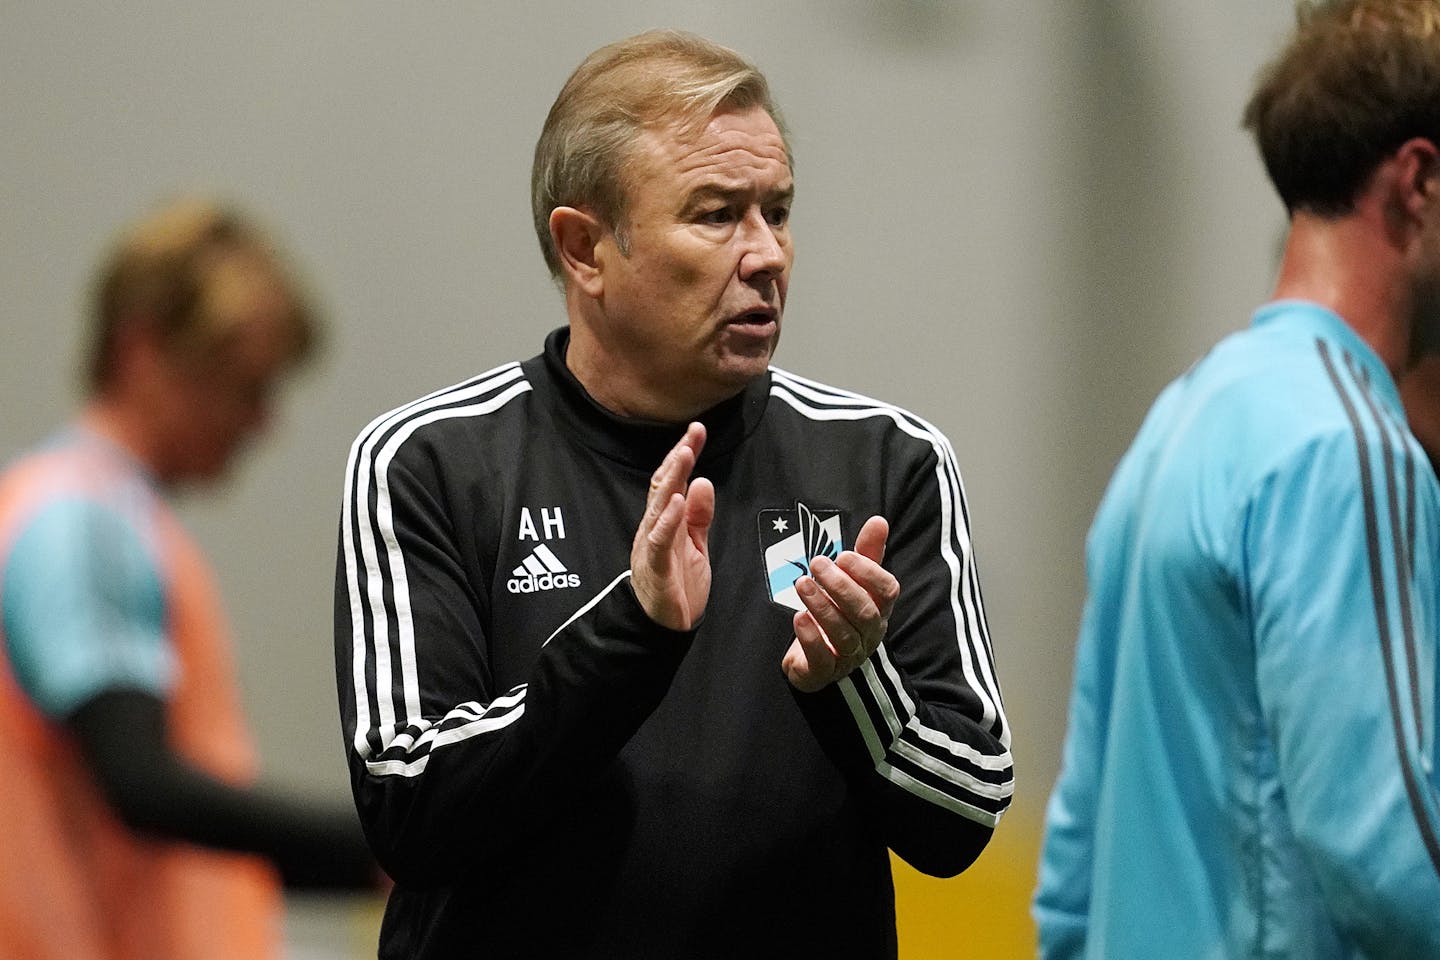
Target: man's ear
1418	174
576	234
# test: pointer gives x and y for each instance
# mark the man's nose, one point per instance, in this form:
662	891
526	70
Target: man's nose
765	254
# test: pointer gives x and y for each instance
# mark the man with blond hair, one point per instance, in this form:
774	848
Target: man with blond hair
133	818
597	707
1250	769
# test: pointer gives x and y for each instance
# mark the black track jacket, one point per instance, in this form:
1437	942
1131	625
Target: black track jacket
545	772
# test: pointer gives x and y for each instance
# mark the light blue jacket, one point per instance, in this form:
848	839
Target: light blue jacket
1249	770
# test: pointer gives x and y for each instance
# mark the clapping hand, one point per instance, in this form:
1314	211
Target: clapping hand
670	557
848	603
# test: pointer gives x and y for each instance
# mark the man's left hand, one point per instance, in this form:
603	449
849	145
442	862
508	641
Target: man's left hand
847	611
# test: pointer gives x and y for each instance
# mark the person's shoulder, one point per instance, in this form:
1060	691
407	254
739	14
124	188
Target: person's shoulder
823	403
477	402
1274	381
1319	405
84	475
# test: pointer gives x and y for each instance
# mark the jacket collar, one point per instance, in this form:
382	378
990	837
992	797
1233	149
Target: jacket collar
638	442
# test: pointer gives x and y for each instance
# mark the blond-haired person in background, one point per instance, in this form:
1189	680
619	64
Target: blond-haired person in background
135	830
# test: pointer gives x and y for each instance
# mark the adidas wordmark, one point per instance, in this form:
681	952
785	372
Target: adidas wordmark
542	570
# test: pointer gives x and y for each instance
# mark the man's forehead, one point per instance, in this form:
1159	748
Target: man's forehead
723	186
727	138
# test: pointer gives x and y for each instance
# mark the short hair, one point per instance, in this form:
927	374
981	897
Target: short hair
616	93
190	270
1357	79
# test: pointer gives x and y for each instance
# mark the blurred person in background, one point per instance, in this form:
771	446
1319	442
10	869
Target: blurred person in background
1250	767
135	828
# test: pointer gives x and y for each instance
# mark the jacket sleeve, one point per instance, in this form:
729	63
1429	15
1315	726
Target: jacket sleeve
1344	609
919	728
451	775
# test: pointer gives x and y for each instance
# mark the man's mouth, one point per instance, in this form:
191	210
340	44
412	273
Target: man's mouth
759	317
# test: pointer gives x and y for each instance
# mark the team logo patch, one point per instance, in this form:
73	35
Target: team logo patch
788	541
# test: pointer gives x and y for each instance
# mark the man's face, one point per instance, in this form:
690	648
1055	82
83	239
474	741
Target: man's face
692	312
219	397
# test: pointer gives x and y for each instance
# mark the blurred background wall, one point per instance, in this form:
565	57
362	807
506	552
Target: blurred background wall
1018	220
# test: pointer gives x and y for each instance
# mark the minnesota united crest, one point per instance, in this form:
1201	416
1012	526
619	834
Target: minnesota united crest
788	541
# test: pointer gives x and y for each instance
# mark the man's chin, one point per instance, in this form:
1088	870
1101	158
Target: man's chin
749	357
741	340
739	371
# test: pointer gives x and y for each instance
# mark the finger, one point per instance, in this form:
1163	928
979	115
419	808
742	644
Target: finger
694	437
659	539
793	663
651	563
852	600
680	459
674	470
668	480
815	655
839	633
810	663
862	623
871	541
797	669
700	512
874	579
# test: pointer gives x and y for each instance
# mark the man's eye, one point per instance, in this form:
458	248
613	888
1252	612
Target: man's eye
718	215
777	216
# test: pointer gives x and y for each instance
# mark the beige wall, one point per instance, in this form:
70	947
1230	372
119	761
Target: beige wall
1017	219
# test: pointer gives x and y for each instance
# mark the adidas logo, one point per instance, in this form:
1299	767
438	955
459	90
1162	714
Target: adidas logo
542	570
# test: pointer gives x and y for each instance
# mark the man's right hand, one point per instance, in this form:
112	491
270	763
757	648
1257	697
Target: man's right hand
670	557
